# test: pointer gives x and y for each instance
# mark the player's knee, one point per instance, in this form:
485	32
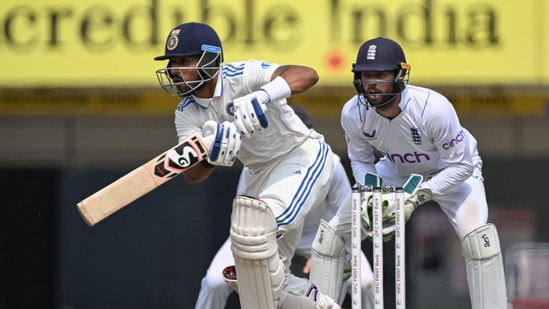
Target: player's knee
481	243
253	229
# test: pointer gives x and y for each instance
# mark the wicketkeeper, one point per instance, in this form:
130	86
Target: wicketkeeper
418	131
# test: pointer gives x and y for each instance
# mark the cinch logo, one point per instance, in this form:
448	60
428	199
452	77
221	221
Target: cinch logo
460	137
414	157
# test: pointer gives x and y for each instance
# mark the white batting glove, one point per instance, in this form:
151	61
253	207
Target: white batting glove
249	113
224	142
249	110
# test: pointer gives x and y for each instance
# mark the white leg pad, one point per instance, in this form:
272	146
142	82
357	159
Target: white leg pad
328	261
484	266
255	250
308	298
290	300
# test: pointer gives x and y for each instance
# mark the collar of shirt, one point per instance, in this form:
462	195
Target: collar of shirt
403	99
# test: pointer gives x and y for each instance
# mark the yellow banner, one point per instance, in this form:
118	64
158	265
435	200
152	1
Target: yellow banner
322	101
95	43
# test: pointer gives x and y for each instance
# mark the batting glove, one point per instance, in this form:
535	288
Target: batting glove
224	144
249	114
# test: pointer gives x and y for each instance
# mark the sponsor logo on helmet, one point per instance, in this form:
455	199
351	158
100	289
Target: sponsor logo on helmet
371	54
173	40
454	141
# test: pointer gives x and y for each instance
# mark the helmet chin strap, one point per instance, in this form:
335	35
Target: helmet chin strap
390	98
382	104
192	88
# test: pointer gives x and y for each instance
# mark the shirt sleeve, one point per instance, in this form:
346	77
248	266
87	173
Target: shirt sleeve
340	187
452	141
187	123
360	152
258	73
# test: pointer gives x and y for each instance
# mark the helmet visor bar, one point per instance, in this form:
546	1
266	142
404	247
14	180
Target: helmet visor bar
402	76
172	80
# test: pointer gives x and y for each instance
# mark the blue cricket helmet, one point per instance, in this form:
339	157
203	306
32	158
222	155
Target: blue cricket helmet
191	39
379	54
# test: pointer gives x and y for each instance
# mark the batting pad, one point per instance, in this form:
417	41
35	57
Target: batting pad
484	266
259	268
328	261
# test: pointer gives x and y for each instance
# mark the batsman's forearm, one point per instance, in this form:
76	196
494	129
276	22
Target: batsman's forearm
299	78
199	172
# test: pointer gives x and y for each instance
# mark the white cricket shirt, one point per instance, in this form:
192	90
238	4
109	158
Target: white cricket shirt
425	138
285	130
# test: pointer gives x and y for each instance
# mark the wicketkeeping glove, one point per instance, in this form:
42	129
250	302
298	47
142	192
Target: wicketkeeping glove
388	214
389	205
225	142
414	195
421	196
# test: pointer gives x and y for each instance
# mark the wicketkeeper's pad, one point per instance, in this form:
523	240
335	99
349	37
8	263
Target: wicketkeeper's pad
484	266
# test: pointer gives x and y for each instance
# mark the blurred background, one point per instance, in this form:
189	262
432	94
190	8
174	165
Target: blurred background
80	106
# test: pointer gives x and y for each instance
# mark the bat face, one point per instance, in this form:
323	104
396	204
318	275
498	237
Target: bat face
142	180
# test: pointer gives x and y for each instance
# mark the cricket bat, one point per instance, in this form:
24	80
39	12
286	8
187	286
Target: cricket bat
142	180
